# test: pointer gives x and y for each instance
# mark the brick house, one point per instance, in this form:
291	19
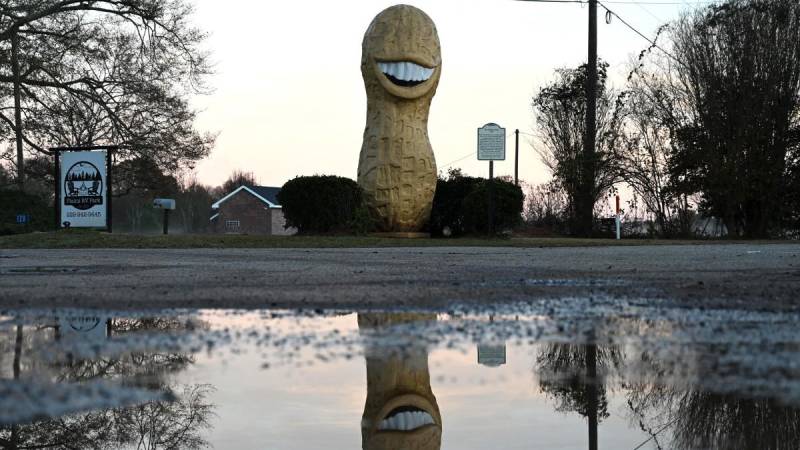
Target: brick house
250	210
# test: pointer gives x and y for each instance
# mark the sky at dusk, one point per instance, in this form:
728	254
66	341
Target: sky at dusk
288	98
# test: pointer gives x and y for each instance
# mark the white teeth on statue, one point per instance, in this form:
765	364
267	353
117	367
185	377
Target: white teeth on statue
405	71
406	421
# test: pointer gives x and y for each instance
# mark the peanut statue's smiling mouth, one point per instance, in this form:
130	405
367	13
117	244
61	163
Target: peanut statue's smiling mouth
405	73
406	418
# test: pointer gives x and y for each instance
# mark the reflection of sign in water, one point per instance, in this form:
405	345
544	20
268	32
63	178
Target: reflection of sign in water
83	327
83	184
492	355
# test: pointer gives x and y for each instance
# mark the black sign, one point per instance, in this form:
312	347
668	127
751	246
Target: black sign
83	186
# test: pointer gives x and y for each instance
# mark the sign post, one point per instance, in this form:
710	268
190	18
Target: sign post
83	187
618	220
491	147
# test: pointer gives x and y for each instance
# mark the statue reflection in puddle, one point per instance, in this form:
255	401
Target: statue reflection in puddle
401	411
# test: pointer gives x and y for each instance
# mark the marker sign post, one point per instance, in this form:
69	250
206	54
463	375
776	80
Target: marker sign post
491	147
83	187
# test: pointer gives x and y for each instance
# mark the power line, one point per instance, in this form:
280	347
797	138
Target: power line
458	160
651	41
624	22
667	3
472	153
620	2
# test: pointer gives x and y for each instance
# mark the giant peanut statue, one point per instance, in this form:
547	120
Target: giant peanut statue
401	64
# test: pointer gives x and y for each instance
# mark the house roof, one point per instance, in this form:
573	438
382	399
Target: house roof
266	194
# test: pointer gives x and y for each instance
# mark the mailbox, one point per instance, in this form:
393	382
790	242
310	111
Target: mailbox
164	203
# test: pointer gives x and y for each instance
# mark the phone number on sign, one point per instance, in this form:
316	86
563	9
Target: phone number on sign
84	214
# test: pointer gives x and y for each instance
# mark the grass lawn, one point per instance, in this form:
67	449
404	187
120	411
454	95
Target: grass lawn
94	239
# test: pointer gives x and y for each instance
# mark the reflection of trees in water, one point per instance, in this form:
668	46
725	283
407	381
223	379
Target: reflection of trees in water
562	370
689	418
712	421
143	367
151	425
155	324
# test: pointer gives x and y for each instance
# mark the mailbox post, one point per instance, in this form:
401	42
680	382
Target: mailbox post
167	204
618	221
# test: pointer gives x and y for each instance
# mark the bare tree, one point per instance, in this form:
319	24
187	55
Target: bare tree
560	111
546	205
645	151
236	179
102	72
194	205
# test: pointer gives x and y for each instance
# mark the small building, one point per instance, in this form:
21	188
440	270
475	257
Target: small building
250	210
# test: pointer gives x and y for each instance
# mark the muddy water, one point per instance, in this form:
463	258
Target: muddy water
570	374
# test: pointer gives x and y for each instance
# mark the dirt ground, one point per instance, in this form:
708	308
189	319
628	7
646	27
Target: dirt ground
749	276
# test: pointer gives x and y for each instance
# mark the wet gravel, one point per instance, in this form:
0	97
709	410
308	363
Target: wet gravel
730	276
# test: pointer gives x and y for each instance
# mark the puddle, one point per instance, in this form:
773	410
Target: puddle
566	374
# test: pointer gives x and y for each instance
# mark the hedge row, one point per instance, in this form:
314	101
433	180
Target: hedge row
461	205
324	204
14	202
331	204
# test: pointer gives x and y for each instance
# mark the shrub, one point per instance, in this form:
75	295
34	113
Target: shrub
324	204
508	200
448	208
13	202
461	204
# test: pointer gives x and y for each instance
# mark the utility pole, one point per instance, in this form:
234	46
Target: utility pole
588	172
516	157
17	109
592	389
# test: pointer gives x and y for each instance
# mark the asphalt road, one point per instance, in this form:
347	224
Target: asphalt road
739	275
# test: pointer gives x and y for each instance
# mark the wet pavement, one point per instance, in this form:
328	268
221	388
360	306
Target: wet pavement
561	373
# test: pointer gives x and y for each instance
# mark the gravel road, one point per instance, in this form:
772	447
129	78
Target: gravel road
740	275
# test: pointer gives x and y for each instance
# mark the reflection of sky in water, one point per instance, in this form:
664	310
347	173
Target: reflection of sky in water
259	397
320	406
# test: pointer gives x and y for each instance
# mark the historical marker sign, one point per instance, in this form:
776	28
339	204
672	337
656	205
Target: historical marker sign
491	143
492	355
83	183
